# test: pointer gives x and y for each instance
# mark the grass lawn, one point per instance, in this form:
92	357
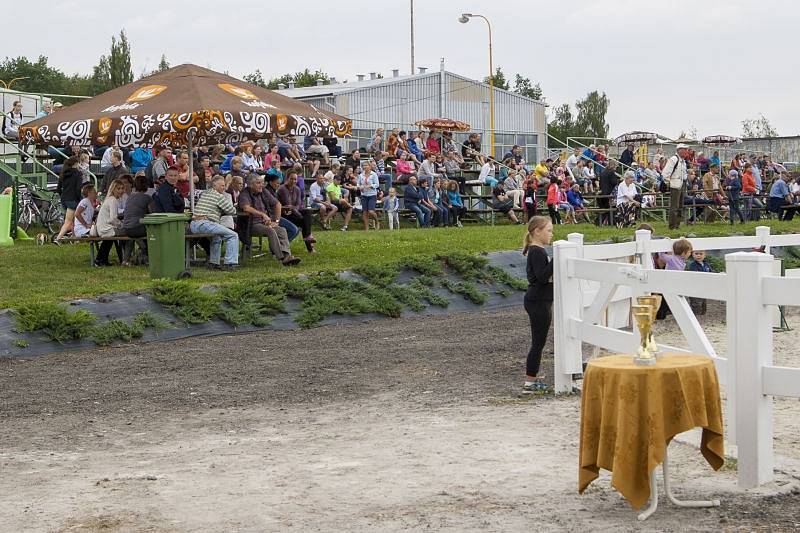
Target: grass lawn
49	273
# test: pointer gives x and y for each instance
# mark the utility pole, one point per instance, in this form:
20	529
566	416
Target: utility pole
412	37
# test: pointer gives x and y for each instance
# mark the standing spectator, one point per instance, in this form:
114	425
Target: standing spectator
608	181
457	208
538	298
368	186
749	192
412	199
69	190
698	263
659	159
108	222
530	196
211	207
266	212
167	198
115	170
318	201
681	250
12	121
391	206
626	158
675	174
293	208
552	201
734	189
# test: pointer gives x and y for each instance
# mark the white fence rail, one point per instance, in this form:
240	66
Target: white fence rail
591	279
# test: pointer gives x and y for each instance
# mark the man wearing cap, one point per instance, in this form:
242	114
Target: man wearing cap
675	174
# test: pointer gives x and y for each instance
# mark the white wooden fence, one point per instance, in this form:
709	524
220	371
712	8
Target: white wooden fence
590	280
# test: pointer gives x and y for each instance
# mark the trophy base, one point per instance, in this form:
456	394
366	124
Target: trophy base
644	361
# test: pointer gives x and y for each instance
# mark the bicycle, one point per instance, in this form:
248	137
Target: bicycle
39	206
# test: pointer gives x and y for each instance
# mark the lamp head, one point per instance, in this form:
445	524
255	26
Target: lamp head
464	18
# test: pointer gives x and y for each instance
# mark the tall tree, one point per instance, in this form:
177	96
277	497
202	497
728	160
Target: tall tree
758	127
101	76
592	114
119	61
256	78
163	64
563	123
524	87
498	79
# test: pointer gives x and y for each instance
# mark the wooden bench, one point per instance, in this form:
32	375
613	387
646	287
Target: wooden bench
190	240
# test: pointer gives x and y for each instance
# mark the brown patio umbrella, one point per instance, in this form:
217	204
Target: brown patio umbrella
183	106
443	124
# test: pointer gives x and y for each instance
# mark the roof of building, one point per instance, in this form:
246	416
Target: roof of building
353	86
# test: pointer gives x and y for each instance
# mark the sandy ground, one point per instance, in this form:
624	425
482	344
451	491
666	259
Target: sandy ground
392	425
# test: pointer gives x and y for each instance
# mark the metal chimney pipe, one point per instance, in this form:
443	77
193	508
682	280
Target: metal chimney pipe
395	72
291	85
281	86
422	69
373	75
360	77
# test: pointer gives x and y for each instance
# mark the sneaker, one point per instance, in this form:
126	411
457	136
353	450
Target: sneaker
459	224
290	260
344	228
213	266
229	267
534	387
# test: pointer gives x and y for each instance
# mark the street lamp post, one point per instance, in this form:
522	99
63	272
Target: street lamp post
464	18
9	84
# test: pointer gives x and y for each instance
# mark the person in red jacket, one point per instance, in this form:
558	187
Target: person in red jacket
752	204
552	200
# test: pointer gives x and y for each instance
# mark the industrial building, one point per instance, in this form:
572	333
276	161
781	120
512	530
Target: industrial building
399	101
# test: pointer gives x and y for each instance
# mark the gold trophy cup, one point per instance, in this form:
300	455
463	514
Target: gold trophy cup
654	302
644	317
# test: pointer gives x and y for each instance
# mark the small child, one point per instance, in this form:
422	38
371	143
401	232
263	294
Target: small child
681	250
391	205
698	264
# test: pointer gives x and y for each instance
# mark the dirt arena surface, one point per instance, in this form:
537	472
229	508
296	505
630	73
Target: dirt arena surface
389	425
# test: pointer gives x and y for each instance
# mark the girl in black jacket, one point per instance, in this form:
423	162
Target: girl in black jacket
69	189
538	298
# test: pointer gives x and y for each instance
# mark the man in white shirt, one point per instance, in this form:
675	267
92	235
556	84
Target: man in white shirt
572	160
675	174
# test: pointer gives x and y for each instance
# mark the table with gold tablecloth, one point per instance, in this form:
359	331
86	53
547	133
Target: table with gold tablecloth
630	413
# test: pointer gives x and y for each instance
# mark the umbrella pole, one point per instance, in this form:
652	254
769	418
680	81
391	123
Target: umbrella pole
191	174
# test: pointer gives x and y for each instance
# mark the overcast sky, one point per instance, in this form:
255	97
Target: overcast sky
666	66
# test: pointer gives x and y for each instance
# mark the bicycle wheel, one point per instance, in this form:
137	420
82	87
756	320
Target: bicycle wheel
26	217
52	218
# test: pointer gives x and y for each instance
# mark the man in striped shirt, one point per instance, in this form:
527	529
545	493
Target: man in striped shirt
213	204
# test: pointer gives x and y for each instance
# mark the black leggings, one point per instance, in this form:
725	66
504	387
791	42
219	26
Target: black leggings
540	313
555	217
303	220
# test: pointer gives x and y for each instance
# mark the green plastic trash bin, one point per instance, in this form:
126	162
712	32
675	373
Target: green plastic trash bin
165	244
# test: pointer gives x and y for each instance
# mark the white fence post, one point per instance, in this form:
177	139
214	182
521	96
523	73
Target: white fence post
643	237
762	232
749	350
567	353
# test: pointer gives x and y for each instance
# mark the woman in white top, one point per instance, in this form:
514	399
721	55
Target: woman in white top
628	201
108	222
588	176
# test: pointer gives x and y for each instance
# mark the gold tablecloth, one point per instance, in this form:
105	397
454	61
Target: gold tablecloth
630	413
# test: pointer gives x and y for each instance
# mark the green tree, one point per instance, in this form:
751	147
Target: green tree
758	127
37	77
101	76
498	79
256	78
563	123
524	87
162	65
119	62
592	111
304	78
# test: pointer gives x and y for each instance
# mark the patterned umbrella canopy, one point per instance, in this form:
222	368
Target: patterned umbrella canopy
443	124
182	104
637	137
721	139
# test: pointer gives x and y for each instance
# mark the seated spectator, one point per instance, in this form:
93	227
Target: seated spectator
590	177
108	222
84	213
271	156
439	199
336	168
564	205
336	197
514	188
234	186
449	147
452	166
350	185
167	198
628	201
413	200
287	150
275	169
378	165
375	144
695	196
116	169
781	200
158	167
137	205
249	162
471	148
315	147
425	191
140	158
204	173
408	145
271	188
487	173
13	120
182	164
354	161
319	201
432	144
237	167
293	207
211	207
84	161
457	208
393	145
427	169
404	168
332	144
503	203
266	212
575	199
